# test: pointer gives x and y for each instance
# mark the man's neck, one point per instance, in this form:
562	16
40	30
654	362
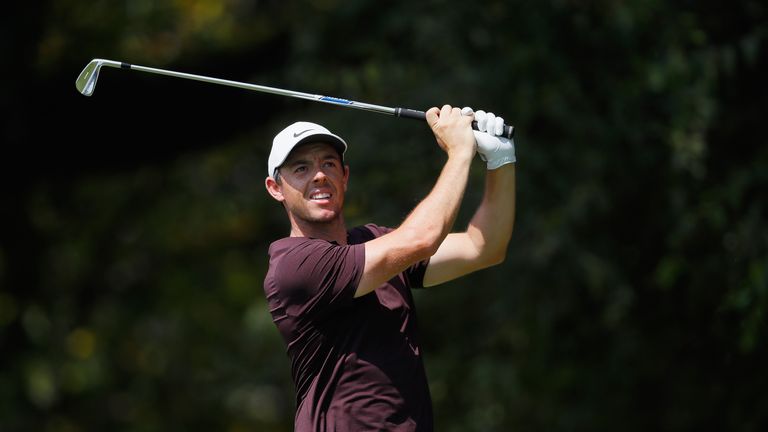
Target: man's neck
335	231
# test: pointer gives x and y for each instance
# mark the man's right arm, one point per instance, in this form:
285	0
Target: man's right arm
422	232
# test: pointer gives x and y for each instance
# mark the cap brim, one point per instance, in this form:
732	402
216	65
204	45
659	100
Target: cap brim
332	140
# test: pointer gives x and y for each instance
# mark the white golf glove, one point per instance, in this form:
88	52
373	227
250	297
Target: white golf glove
494	149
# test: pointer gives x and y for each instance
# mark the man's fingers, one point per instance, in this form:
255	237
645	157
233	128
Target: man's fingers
433	115
467	111
448	113
481	119
490	123
499	126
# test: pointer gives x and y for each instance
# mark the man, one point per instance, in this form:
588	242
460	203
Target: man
341	298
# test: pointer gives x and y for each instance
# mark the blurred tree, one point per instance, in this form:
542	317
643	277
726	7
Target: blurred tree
134	226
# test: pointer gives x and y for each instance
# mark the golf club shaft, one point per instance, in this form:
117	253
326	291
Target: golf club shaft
398	112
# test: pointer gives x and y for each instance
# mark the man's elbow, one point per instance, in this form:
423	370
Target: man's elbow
492	250
422	244
496	255
496	258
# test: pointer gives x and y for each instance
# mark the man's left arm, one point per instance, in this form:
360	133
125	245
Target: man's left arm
484	244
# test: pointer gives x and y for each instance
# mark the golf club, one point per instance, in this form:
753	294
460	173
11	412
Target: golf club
86	84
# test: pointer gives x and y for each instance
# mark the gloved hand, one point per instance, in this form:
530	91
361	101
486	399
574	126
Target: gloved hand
494	149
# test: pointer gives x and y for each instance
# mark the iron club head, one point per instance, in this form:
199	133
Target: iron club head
86	81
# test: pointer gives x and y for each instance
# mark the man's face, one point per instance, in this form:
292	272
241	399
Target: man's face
313	183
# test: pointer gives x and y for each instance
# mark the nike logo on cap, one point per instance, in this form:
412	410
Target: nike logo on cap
298	134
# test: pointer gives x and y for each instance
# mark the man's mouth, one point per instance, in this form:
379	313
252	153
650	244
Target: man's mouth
320	196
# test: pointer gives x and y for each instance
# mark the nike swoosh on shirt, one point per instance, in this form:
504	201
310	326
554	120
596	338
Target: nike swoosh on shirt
296	135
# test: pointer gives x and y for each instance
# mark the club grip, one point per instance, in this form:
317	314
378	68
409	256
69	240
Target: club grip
411	114
509	131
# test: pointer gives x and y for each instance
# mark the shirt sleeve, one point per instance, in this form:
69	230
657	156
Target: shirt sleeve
318	277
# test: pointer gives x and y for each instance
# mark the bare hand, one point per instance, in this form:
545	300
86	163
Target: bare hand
452	130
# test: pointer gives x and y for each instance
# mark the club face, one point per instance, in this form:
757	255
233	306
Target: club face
86	81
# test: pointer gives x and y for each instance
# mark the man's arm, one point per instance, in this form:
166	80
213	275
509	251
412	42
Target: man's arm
422	232
484	244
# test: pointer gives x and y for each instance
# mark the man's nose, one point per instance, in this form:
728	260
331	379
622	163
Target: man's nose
319	176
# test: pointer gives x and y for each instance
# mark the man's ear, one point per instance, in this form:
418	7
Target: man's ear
274	189
346	176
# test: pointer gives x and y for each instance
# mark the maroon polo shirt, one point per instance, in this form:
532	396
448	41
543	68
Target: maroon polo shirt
356	362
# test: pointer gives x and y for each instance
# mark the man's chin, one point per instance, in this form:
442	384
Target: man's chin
324	216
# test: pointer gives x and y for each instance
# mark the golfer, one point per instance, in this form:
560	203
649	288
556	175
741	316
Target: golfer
341	297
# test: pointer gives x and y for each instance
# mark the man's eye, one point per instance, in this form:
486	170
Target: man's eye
300	169
330	164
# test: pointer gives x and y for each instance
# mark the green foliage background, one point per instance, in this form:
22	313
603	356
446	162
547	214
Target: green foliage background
135	225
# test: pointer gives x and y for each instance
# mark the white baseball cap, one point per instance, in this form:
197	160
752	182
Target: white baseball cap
300	133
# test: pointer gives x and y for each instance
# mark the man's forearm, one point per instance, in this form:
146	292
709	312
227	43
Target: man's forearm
491	227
